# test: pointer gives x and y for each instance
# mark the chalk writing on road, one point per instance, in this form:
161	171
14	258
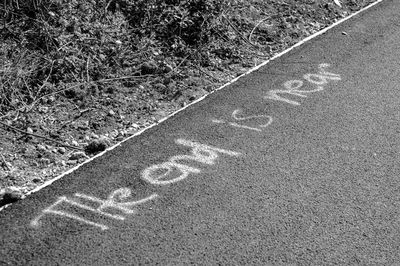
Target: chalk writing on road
158	174
292	87
115	201
266	120
179	167
111	203
295	87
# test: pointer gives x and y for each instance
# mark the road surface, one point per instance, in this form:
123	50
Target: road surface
296	163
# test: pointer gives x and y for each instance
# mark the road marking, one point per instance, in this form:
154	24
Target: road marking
176	168
109	203
156	174
324	72
112	203
235	116
200	153
50	210
217	121
292	87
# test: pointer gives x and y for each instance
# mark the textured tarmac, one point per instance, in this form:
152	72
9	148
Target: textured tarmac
296	163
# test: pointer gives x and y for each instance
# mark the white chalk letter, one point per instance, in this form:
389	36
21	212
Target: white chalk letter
326	73
292	87
110	203
158	174
252	117
50	210
114	202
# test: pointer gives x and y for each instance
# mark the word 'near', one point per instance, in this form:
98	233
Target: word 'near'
294	87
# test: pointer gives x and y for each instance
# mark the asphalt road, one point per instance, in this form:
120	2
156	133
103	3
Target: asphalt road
296	163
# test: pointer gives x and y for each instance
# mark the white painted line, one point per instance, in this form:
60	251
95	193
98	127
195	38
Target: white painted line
49	182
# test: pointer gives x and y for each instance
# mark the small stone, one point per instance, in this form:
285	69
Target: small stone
74	143
94	136
61	150
41	148
344	33
111	113
29	130
168	68
337	2
78	155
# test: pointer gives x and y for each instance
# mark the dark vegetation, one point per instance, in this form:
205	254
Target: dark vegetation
49	45
72	70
